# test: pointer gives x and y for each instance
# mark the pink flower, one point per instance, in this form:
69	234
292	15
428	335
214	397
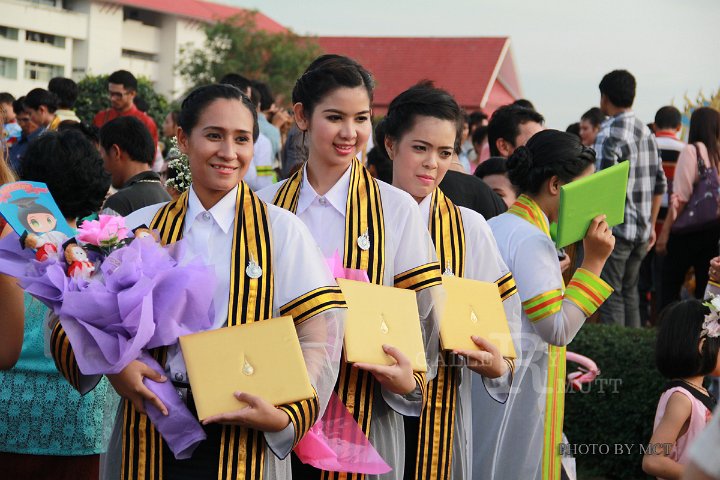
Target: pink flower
107	231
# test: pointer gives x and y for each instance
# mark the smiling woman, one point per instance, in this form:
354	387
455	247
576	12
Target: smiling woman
374	227
258	252
217	132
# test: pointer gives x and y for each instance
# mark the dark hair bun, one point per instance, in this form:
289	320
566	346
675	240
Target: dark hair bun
520	165
548	153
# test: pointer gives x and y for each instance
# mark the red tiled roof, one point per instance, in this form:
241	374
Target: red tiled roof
199	10
463	66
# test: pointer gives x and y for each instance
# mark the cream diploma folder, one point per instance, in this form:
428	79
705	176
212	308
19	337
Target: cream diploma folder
377	316
474	308
261	358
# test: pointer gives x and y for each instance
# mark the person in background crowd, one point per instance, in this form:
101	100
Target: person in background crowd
510	127
574	128
478	118
239	82
169	130
91	132
41	105
66	91
262	171
294	152
122	90
668	123
266	106
524	103
49	429
623	137
691	249
480	145
11	129
379	165
29	130
590	124
169	126
127	150
494	173
468	156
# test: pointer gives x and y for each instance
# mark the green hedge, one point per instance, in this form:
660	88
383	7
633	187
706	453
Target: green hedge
605	415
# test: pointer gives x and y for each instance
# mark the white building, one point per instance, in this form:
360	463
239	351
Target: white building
41	39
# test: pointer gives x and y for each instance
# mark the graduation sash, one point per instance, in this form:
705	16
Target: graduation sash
588	292
437	421
363	218
242	450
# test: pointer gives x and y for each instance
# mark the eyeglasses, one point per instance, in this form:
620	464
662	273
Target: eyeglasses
117	94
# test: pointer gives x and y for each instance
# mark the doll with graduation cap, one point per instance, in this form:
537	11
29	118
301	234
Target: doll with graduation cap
39	223
79	265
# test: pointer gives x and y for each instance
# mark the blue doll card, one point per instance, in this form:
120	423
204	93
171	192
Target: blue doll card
29	208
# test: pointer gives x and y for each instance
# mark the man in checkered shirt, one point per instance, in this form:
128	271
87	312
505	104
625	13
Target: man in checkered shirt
623	137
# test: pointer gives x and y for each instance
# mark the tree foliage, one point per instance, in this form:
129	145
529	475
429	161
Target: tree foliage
238	46
93	97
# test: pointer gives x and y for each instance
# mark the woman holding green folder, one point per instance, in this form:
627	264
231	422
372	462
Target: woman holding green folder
552	313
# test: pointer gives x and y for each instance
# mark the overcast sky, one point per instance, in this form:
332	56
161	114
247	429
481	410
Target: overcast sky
562	48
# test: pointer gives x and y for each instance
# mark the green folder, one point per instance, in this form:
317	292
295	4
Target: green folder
603	192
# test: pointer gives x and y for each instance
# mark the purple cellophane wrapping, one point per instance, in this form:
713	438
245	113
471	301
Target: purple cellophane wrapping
142	297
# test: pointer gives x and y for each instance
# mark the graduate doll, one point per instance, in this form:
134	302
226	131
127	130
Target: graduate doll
373	227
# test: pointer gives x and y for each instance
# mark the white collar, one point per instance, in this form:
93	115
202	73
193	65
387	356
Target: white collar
223	212
425	208
336	196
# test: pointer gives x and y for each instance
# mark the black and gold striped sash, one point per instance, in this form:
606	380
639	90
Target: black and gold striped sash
437	422
251	299
363	215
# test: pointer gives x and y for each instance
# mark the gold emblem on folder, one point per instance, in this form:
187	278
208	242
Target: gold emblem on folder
473	317
383	326
247	369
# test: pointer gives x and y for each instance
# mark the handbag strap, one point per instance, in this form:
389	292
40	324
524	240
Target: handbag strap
701	162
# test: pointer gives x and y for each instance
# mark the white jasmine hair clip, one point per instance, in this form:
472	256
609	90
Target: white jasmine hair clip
711	324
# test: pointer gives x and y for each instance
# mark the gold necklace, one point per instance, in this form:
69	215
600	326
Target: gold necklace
697	387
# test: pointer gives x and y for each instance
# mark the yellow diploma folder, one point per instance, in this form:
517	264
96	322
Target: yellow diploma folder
261	358
474	308
378	316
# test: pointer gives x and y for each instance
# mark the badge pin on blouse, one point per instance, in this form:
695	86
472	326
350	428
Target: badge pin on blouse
448	269
363	241
253	270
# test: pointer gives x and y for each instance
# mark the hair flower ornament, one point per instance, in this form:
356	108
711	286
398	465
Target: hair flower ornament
711	324
180	164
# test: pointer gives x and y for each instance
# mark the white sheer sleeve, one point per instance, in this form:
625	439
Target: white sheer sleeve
411	404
